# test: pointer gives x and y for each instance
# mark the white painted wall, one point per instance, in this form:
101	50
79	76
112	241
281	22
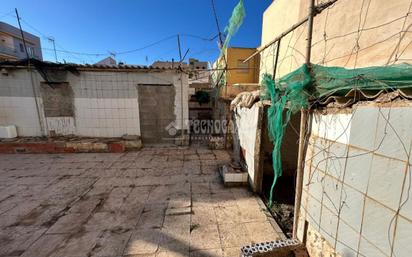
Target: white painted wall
181	109
20	111
61	125
246	129
357	179
17	104
105	103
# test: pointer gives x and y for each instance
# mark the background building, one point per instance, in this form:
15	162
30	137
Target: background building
12	47
238	76
200	90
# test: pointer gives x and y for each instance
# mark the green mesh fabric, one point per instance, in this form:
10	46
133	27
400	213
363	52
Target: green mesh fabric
338	80
235	21
294	91
288	90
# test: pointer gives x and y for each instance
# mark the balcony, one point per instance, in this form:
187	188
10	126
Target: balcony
8	51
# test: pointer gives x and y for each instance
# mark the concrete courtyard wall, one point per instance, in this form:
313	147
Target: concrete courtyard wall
357	179
105	103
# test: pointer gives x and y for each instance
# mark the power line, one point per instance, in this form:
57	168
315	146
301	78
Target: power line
147	46
72	53
217	22
7	14
204	51
75	54
54	43
200	37
121	52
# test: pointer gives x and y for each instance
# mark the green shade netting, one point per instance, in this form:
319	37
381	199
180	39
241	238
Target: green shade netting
294	91
235	21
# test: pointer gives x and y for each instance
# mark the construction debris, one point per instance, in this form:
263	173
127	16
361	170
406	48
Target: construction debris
245	99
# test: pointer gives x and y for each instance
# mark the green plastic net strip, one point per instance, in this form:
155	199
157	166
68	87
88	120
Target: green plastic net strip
295	90
235	21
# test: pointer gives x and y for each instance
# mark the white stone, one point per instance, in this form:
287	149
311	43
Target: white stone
403	238
376	226
363	129
386	179
357	169
352	202
8	131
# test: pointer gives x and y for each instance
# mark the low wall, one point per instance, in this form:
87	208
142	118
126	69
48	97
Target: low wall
248	129
94	103
68	145
357	181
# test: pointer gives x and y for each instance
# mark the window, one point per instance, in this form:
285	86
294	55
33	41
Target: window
21	48
30	51
242	67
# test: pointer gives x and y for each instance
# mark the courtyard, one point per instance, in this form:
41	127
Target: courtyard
162	201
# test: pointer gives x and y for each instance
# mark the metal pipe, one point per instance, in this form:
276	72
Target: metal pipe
276	60
260	49
310	32
317	9
302	132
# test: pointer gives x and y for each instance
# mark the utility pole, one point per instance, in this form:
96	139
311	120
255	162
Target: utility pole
181	88
22	36
222	54
51	39
303	129
178	45
31	76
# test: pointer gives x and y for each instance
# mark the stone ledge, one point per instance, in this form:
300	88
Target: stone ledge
69	145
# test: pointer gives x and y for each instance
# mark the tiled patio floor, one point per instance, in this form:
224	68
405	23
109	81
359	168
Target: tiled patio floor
156	202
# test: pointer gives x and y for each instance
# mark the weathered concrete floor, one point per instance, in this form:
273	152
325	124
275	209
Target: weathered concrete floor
156	202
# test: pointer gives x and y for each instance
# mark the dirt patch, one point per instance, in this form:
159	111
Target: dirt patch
283	214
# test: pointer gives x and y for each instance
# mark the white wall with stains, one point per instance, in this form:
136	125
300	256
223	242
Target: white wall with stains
105	102
357	180
247	135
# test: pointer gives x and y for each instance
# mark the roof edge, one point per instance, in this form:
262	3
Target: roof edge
82	67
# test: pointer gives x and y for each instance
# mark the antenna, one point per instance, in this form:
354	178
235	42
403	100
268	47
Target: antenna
112	54
51	39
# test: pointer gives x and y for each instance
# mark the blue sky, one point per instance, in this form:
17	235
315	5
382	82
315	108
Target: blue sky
101	26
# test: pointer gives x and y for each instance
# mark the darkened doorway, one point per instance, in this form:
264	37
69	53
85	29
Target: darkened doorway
156	108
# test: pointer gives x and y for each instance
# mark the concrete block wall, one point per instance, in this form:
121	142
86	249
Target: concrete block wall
357	180
105	102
